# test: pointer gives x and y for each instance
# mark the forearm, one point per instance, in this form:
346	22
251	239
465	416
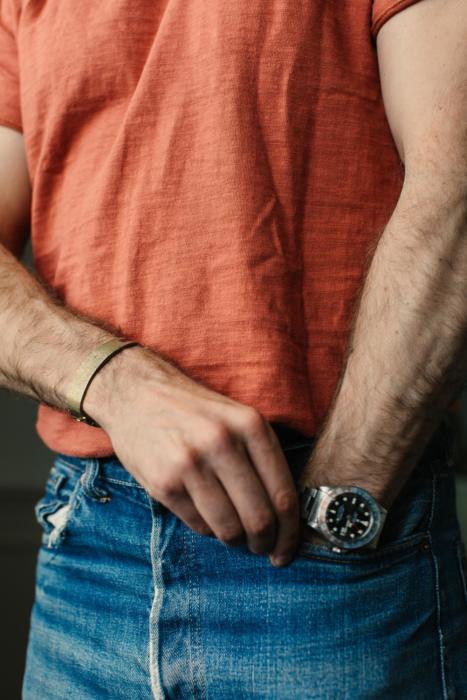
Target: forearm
407	353
43	342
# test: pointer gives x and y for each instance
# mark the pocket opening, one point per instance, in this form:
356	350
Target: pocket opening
411	544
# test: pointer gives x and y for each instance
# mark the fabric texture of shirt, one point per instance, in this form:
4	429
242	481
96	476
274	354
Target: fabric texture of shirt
207	178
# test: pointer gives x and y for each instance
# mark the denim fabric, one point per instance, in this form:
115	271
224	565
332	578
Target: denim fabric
133	604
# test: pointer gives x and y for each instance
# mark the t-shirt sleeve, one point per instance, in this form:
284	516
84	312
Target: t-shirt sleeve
10	108
382	10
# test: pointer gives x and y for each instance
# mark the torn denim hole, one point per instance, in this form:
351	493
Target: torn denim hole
59	520
54	510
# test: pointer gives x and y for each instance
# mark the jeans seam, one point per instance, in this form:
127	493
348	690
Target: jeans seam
61	460
190	617
110	479
154	616
198	680
89	481
441	645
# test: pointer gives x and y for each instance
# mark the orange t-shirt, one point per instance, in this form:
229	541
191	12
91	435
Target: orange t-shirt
207	178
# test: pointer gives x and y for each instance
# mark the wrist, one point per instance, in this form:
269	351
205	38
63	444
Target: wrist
119	382
381	484
383	490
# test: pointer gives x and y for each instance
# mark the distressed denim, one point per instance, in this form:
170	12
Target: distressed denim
131	603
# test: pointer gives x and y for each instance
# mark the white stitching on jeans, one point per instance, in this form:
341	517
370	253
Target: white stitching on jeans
61	460
107	478
156	685
442	648
111	480
437	592
195	599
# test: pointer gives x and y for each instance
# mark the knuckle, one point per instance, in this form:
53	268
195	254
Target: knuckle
229	535
219	437
203	529
186	464
253	421
168	489
286	502
261	525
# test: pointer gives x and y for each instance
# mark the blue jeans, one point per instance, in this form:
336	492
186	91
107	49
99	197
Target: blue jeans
131	603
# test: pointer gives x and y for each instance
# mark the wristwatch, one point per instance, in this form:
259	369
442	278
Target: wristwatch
347	516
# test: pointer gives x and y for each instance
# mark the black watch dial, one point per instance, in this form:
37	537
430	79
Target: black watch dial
348	517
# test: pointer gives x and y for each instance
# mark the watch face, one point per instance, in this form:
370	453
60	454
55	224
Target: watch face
350	518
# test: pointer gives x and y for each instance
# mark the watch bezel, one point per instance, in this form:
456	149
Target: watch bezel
328	496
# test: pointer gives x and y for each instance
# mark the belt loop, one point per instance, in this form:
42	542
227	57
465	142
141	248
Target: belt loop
89	479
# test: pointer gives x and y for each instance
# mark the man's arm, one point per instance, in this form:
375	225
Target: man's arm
407	354
41	342
15	191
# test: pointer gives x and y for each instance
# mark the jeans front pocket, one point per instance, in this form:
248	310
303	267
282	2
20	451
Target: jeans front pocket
407	525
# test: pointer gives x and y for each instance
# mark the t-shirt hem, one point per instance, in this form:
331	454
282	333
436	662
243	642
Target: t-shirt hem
86	442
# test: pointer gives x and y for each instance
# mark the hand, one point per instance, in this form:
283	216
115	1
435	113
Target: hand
215	463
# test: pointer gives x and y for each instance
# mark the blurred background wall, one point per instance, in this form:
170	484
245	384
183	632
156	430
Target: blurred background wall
24	466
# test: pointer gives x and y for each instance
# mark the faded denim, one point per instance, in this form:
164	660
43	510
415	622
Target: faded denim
133	604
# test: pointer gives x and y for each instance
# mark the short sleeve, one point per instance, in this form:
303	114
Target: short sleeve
10	108
382	10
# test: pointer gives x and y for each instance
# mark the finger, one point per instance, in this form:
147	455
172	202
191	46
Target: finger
238	476
272	467
183	507
214	505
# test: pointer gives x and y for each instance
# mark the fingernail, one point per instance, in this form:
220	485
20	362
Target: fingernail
280	561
